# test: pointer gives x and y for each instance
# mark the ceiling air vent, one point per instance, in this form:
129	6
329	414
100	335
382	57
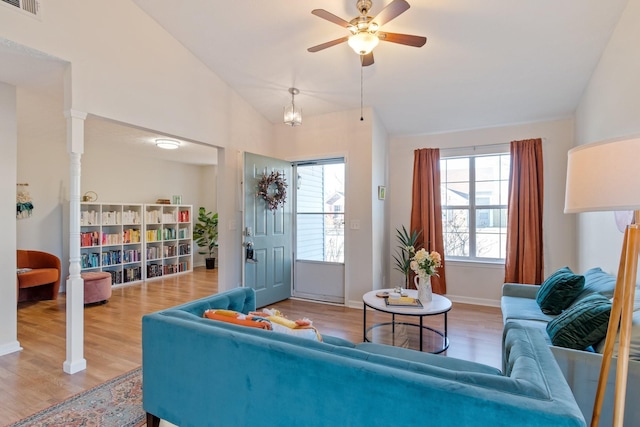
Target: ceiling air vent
30	6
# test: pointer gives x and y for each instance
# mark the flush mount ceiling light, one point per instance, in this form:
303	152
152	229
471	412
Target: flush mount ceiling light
293	113
167	144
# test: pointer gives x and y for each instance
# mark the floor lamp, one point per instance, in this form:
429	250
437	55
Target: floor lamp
606	177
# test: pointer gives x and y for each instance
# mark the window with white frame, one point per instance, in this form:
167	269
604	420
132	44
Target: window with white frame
474	196
320	200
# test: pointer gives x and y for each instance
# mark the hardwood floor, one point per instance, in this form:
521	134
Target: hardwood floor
33	379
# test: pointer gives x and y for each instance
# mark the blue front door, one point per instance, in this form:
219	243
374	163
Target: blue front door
267	232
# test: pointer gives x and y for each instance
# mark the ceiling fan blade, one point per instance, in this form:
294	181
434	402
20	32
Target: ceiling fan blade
393	9
367	59
328	44
409	40
321	13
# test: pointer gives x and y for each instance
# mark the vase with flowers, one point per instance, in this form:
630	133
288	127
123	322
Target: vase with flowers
424	264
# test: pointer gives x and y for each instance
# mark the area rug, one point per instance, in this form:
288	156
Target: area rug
115	403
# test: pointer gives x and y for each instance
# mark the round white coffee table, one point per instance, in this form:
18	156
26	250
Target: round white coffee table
439	305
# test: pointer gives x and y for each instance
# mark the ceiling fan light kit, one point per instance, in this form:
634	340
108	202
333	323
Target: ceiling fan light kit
293	113
363	42
167	144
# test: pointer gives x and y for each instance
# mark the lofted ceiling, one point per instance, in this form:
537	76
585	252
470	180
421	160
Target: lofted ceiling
486	63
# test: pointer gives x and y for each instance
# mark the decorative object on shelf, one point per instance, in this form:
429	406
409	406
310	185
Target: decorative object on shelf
424	264
24	203
163	201
405	251
167	144
293	113
273	199
177	200
205	234
90	196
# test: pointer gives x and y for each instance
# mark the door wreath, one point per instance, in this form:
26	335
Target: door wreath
277	197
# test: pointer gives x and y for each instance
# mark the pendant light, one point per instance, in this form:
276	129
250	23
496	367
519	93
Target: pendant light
293	113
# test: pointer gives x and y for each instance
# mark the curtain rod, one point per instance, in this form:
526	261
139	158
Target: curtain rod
474	147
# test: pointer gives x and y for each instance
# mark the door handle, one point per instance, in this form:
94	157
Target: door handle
249	253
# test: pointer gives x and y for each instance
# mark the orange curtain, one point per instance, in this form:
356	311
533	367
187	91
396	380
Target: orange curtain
524	258
426	209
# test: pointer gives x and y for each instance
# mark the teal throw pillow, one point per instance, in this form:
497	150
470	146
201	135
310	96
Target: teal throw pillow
582	325
559	290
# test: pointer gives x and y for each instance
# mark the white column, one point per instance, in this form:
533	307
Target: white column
75	361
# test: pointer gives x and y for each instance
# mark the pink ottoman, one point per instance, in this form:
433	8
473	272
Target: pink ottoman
97	286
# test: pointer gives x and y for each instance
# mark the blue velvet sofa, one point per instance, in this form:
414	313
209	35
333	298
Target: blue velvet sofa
199	372
581	368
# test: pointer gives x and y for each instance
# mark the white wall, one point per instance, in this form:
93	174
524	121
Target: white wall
343	134
256	138
43	162
380	229
8	145
609	109
118	177
208	198
481	284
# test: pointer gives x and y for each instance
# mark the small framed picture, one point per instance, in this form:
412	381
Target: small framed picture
382	192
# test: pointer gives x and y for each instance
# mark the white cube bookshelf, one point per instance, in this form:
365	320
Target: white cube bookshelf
111	240
168	240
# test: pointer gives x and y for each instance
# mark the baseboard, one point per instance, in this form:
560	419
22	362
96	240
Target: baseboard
474	301
319	298
298	298
355	304
9	348
72	367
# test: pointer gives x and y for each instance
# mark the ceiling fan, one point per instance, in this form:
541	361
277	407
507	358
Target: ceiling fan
364	29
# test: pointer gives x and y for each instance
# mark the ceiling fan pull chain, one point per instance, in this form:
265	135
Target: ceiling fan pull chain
361	87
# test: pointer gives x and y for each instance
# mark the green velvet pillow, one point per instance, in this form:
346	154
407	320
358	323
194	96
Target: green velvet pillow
559	290
582	325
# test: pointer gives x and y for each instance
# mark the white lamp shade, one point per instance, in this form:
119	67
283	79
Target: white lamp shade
603	176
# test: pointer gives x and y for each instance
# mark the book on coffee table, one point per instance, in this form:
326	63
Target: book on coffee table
403	302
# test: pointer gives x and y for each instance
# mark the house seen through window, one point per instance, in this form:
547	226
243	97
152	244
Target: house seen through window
320	200
474	196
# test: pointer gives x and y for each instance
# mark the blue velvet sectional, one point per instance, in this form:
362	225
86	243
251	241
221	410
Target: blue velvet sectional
199	372
581	368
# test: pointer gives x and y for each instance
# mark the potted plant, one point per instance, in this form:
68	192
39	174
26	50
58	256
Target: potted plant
408	245
205	234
